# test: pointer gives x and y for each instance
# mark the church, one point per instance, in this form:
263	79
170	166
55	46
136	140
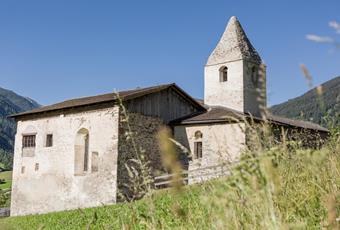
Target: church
72	154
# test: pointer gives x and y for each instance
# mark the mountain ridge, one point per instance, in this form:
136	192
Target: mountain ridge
320	105
11	103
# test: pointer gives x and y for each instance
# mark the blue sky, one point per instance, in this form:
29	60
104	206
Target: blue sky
57	50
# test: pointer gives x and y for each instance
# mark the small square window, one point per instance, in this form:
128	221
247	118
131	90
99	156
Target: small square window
23	169
49	140
28	141
36	168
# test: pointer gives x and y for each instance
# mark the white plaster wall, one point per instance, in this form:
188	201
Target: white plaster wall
221	144
229	93
54	186
239	92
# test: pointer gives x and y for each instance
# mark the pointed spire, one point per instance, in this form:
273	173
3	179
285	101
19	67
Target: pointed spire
233	45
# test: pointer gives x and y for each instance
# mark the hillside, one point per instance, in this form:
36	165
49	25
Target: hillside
313	107
11	103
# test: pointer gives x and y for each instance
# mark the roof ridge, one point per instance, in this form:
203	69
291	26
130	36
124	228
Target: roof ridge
223	114
108	97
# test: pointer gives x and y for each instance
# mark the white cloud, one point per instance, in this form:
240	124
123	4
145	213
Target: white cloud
335	25
316	38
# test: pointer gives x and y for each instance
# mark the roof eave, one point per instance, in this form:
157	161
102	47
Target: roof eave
180	91
212	121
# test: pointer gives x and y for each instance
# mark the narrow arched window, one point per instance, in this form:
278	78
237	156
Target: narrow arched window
198	135
223	74
81	151
254	77
198	145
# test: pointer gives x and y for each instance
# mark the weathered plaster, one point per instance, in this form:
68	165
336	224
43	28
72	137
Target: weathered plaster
55	186
230	93
221	144
240	92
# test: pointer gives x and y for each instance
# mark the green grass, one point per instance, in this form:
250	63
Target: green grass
6	186
299	190
7	175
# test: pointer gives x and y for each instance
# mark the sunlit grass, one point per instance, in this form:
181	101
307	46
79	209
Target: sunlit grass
7	176
299	189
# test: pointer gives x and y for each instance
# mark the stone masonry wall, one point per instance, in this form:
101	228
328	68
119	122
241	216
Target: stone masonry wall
260	134
144	130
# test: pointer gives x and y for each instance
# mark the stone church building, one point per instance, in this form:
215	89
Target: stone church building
71	155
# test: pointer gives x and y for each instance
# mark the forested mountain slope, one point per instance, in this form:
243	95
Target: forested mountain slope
11	103
312	106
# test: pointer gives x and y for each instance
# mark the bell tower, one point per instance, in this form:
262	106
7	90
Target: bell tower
234	76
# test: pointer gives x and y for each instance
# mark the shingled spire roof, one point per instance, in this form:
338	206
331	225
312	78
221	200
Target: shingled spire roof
233	45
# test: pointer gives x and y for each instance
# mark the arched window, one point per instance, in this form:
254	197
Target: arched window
198	135
198	145
223	74
81	150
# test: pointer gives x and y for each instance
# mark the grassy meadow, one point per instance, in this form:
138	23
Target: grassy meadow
275	185
7	176
277	189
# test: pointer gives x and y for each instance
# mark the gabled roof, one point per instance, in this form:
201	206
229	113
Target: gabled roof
110	97
219	114
233	45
